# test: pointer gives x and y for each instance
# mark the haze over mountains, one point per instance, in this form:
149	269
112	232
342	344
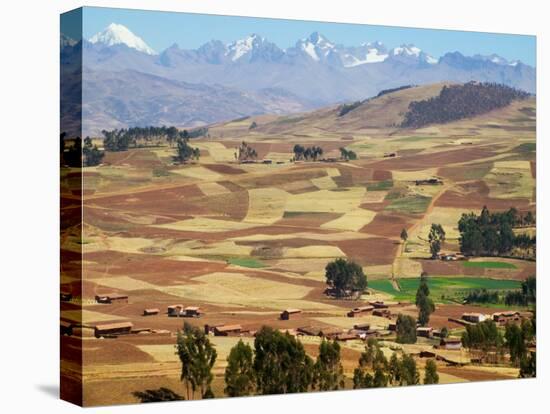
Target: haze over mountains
127	83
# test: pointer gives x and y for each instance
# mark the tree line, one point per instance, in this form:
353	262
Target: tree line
307	153
525	296
456	102
122	139
375	371
277	363
491	234
488	342
348	107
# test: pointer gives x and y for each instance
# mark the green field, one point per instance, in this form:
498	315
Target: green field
411	204
442	289
246	262
490	265
380	185
526	147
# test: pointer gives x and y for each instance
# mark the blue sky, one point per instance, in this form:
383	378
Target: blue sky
161	29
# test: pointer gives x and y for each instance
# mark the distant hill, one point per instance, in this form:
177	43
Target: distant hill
131	98
456	102
387	114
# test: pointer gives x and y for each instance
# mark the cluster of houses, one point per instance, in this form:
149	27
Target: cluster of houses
501	318
378	308
359	331
105	329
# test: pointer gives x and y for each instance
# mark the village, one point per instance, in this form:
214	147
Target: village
431	346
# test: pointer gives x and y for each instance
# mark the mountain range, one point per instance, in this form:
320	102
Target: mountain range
125	82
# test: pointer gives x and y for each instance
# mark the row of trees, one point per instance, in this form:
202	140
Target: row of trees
375	371
460	101
490	344
307	153
278	364
122	139
483	296
346	108
526	296
491	234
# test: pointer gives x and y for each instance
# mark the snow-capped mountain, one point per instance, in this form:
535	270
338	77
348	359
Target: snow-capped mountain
496	59
316	47
374	52
117	34
251	48
412	53
315	72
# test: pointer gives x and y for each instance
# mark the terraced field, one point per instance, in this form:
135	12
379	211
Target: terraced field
245	241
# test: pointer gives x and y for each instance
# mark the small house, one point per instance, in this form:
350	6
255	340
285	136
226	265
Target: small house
228	330
150	311
111	298
346	336
174	310
474	317
424	331
309	331
113	329
118	298
383	313
191	312
285	315
451	343
209	329
359	310
330	332
378	304
362	326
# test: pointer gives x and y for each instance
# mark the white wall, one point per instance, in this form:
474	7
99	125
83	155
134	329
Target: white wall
29	218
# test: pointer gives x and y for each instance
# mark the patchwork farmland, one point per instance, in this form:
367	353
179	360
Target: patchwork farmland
244	241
